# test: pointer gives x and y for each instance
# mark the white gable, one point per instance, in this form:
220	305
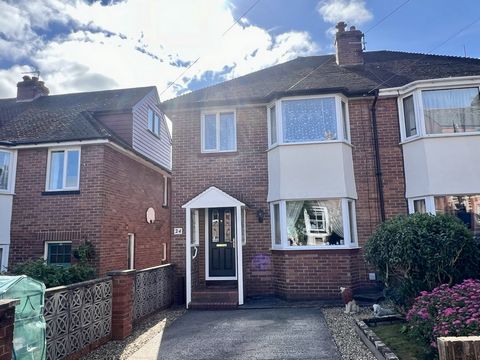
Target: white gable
212	198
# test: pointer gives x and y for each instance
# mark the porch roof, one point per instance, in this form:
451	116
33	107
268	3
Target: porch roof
211	198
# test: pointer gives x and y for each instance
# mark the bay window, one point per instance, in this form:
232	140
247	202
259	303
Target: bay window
308	119
441	111
300	224
464	207
63	171
219	132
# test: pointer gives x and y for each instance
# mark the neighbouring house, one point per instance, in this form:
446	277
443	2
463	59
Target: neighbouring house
281	175
84	168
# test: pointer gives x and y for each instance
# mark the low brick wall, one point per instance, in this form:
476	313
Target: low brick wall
78	317
153	290
7	319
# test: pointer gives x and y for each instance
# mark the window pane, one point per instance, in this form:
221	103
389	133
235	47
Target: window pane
59	254
315	222
409	114
215	226
4	169
465	207
273	126
276	224
150	119
73	158
56	170
346	134
451	111
227	226
309	120
227	131
419	206
210	132
156	125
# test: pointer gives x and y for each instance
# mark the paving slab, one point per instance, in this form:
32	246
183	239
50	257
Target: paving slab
282	333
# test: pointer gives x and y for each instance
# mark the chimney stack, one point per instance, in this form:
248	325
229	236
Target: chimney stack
349	45
31	88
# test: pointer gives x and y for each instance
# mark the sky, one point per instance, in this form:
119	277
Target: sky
86	45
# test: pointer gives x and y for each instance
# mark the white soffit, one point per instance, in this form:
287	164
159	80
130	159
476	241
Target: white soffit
212	198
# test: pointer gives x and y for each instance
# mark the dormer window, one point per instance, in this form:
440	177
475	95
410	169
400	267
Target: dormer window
308	120
440	112
153	122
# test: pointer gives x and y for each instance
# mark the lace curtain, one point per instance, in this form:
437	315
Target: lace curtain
4	163
309	120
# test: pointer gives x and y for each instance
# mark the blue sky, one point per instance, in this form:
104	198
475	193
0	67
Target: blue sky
92	45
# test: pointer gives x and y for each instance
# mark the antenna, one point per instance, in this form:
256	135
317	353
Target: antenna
34	72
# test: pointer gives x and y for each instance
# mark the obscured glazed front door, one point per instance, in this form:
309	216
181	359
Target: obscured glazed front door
221	242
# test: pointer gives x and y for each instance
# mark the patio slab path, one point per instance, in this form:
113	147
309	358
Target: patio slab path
279	333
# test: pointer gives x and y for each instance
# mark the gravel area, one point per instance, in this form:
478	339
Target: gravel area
341	325
142	332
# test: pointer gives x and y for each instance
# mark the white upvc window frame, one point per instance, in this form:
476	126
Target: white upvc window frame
217	113
195	235
348	243
341	136
4	257
429	204
12	171
419	114
165	191
64	176
156	122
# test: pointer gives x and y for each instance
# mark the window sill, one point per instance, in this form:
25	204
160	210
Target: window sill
315	248
61	192
153	134
436	136
219	153
310	143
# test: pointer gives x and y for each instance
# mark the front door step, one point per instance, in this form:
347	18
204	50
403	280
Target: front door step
215	298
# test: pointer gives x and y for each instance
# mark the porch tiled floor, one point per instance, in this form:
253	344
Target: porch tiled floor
281	333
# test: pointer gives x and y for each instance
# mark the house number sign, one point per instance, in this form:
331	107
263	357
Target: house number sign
177	231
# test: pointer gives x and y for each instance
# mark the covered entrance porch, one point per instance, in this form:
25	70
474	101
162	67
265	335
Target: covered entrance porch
214	257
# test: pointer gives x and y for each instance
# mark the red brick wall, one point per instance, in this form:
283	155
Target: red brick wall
130	189
291	274
115	192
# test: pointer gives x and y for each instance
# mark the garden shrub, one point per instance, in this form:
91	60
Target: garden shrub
419	252
446	311
54	275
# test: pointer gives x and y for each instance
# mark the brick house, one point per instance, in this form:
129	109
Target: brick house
280	176
84	167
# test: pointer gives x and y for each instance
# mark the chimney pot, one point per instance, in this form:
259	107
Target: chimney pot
26	78
349	45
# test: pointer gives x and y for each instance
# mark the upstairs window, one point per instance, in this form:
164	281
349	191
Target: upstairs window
63	169
6	164
219	132
444	111
451	111
153	122
309	120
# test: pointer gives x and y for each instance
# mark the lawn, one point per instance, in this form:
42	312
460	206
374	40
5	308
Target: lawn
401	344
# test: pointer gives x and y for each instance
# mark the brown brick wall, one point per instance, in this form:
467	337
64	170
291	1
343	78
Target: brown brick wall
290	274
115	192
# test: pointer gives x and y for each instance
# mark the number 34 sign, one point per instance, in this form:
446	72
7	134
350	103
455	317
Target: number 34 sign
177	231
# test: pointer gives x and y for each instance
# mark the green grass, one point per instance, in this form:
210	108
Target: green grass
401	344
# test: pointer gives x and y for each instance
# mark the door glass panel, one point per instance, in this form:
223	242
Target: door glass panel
215	226
228	226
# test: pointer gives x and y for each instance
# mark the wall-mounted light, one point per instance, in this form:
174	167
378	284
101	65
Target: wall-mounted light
260	215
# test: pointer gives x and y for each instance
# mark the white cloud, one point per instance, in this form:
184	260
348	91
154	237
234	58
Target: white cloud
353	12
140	42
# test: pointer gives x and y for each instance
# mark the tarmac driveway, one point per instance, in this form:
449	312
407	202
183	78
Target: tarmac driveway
281	333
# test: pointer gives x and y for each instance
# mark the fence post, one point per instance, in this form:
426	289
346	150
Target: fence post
459	348
7	320
122	303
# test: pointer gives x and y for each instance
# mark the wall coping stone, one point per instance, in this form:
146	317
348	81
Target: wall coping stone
75	285
154	268
121	272
8	303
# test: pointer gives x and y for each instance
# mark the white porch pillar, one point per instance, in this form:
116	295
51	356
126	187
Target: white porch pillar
188	258
238	213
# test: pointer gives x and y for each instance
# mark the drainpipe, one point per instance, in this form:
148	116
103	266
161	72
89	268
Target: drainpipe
378	166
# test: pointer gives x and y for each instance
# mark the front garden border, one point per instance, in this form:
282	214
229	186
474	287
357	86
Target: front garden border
373	342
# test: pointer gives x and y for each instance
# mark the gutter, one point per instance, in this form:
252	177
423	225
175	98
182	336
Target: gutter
378	166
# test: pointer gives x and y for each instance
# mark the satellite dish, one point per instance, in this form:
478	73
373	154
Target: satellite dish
150	215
